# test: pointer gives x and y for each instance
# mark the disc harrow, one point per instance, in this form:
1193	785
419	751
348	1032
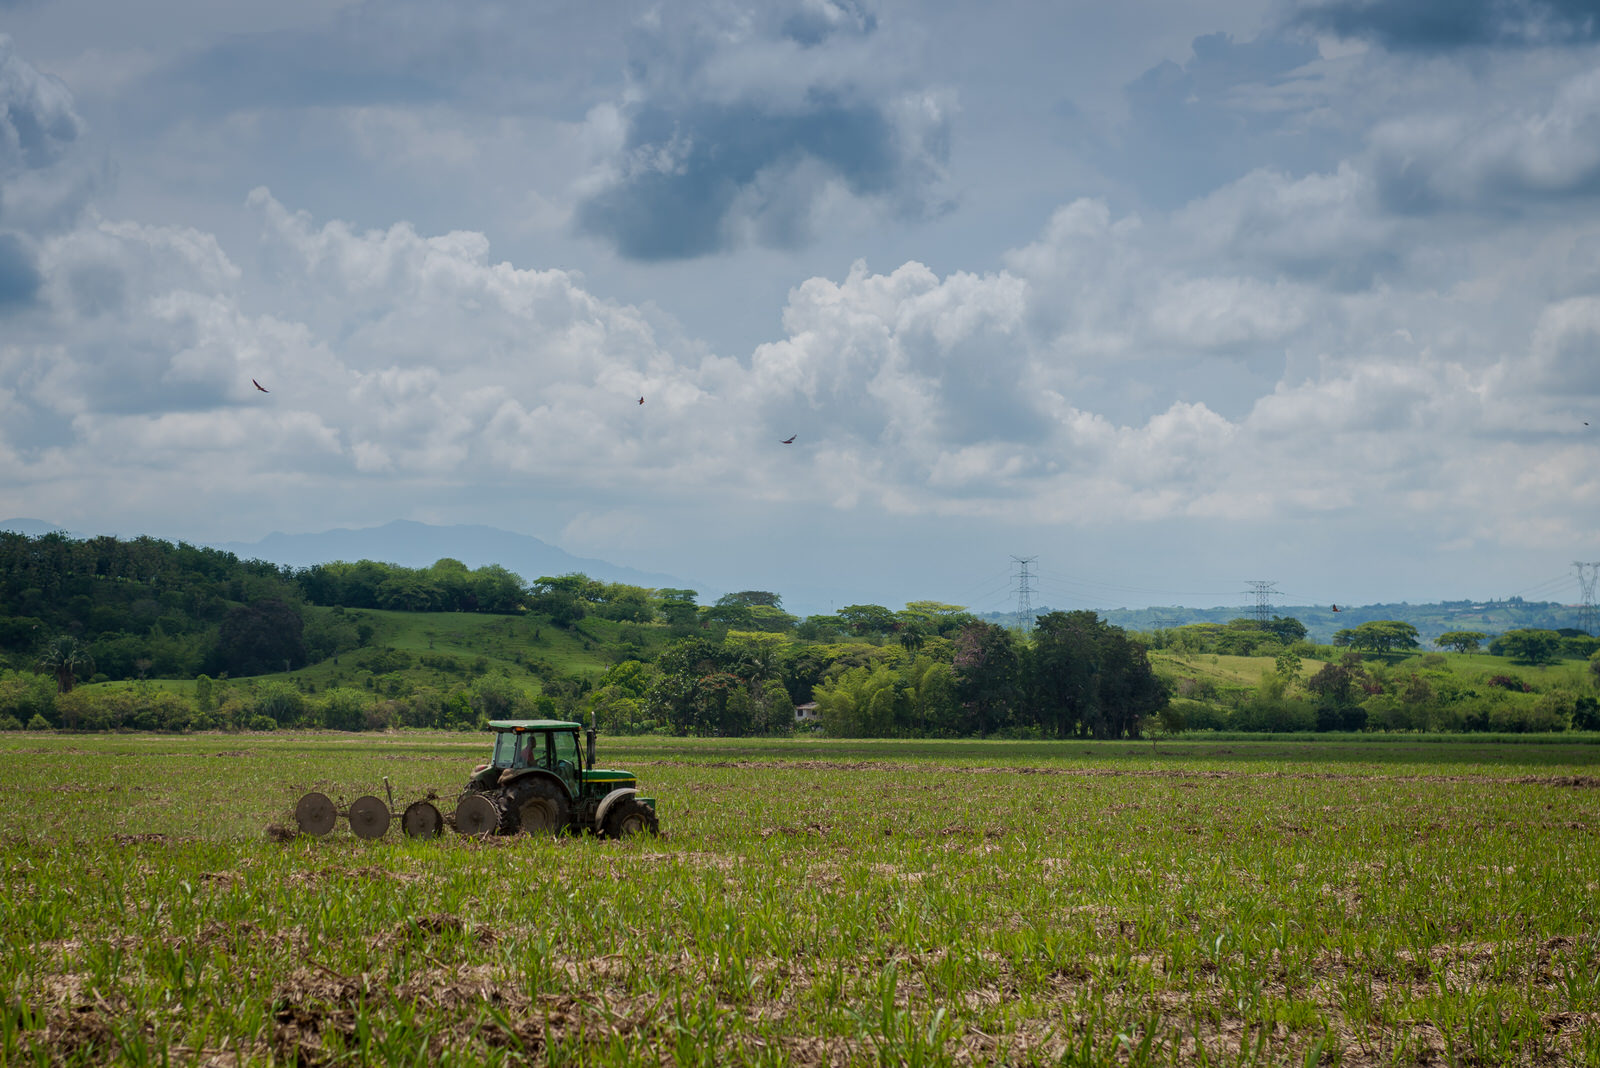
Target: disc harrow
369	816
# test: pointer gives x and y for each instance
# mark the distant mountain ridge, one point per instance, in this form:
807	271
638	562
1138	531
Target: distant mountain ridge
412	544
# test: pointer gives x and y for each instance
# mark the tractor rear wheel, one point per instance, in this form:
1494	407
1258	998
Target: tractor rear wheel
539	806
629	817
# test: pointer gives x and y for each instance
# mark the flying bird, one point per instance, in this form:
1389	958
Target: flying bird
789	440
259	386
641	400
1335	608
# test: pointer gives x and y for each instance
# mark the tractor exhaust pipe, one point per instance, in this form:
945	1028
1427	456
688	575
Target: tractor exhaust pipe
593	718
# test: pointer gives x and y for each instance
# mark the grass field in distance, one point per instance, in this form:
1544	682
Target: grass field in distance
1371	901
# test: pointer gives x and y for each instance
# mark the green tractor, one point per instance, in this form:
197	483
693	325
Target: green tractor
535	782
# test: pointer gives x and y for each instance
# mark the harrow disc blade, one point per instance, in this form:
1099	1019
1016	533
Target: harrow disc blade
369	817
476	814
422	820
315	814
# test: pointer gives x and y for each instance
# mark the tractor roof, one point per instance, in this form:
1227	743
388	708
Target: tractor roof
534	725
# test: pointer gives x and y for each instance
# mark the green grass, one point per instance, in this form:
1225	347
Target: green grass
811	902
1225	672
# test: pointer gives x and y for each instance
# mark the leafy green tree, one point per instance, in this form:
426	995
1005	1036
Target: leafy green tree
1287	666
453	582
260	638
867	620
675	696
774	709
677	607
1286	629
1085	676
1528	646
1169	722
1462	641
987	675
934	617
1379	636
751	599
727	616
1338	689
562	598
625	603
820	628
497	590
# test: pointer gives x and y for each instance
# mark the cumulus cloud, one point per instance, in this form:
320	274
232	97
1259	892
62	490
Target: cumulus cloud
1508	158
741	123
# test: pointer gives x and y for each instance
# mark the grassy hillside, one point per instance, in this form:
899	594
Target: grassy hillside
411	650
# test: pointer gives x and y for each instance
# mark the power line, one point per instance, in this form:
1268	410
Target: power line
1588	574
1024	592
1263	593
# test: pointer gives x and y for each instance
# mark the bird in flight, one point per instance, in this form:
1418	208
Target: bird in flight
259	386
641	400
1336	608
789	440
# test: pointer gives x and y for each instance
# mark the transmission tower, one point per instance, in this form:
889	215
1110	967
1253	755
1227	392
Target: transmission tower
1263	593
1588	574
1024	593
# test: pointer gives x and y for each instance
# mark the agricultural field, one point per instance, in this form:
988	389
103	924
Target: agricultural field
1329	901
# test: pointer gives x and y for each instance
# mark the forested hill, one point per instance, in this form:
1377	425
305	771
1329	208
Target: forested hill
149	607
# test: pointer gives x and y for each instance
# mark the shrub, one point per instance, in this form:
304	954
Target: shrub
344	709
26	695
38	723
279	701
1201	715
263	723
1555	707
1508	682
10	723
82	711
1520	718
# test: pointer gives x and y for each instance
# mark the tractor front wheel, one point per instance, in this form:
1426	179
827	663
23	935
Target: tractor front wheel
629	817
540	806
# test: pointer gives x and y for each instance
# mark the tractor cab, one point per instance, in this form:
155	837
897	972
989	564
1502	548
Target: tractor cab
546	744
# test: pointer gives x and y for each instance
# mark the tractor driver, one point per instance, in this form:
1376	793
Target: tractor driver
529	757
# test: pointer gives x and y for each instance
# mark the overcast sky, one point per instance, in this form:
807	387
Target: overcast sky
1172	295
